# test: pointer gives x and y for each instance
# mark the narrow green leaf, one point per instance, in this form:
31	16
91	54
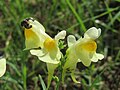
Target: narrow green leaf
42	82
76	15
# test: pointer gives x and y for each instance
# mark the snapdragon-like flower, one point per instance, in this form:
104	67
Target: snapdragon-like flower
2	66
34	33
36	37
50	54
83	50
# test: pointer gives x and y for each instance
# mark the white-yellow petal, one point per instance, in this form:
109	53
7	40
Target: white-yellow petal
60	35
92	33
36	23
37	52
71	40
40	32
97	57
2	66
46	58
85	58
83	55
100	56
32	40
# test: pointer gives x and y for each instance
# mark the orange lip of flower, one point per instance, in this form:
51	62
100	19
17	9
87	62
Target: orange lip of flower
90	46
49	44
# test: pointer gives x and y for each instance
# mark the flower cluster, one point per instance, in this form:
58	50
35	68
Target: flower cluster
47	50
82	50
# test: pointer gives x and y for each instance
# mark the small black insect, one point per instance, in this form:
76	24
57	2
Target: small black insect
25	23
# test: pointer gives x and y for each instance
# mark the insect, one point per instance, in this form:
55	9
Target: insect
25	23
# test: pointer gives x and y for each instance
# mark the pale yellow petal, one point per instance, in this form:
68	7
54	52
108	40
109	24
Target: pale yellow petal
92	33
2	66
31	39
83	55
94	58
100	56
36	23
46	58
41	34
55	54
97	57
85	59
71	40
60	35
37	52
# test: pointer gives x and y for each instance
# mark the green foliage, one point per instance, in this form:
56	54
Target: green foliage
24	71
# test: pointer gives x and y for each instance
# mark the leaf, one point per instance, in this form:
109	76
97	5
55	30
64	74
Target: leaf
42	83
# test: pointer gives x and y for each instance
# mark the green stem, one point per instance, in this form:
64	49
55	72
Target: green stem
24	70
59	82
51	68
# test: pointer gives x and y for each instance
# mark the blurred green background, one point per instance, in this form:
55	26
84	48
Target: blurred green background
74	16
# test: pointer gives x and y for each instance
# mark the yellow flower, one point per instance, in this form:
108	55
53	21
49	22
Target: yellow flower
36	37
2	66
34	33
83	50
50	54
